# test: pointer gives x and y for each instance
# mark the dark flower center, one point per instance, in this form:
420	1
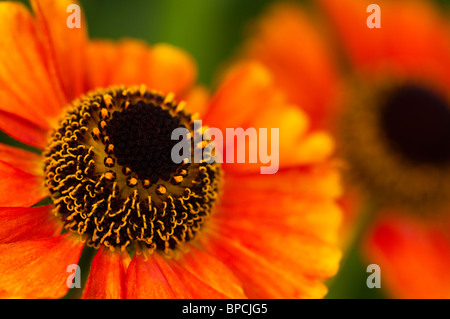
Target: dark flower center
141	136
110	174
416	122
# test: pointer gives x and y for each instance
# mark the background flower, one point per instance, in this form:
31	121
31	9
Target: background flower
384	93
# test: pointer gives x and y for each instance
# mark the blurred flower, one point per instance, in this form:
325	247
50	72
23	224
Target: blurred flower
268	236
390	110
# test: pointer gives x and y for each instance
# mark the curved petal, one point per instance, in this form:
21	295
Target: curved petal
107	276
298	143
414	257
248	99
101	57
171	69
261	279
318	182
64	47
145	279
26	223
413	38
183	283
246	89
130	62
195	274
197	100
23	130
278	234
21	159
306	72
37	268
18	188
26	86
209	271
352	205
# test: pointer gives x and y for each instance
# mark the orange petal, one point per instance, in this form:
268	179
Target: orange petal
413	38
160	67
145	279
37	268
24	223
23	130
130	62
63	45
248	99
288	246
208	271
183	283
21	159
158	277
197	100
246	89
26	86
100	63
296	144
413	255
316	182
171	69
352	204
107	276
293	246
306	72
18	188
260	278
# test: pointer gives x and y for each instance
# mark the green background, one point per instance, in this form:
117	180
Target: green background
210	30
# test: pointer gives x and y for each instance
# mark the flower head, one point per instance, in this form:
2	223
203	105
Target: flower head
101	115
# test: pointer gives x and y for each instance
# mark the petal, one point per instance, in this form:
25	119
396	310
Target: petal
352	205
130	62
317	182
279	240
189	276
248	99
100	63
413	38
18	188
26	86
171	69
107	276
306	72
23	130
297	143
37	268
246	89
260	278
413	255
287	245
209	271
24	223
130	59
64	45
21	159
146	280
197	100
183	283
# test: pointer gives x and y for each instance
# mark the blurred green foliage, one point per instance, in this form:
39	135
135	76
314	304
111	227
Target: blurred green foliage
208	29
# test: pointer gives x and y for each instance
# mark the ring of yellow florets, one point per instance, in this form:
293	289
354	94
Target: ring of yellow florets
108	171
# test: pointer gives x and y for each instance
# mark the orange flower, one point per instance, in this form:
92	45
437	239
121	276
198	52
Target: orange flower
157	231
391	115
